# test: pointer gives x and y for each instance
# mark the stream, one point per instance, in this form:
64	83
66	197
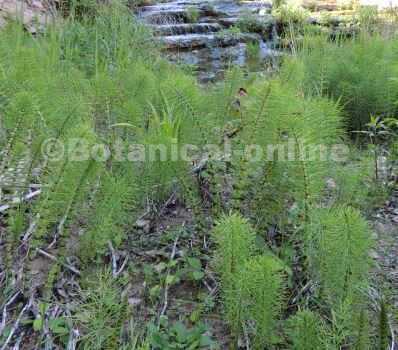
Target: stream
212	36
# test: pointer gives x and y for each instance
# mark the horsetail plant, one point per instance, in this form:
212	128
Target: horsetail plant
234	238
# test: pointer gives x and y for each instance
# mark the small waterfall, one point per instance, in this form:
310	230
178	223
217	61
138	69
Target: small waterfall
186	28
199	32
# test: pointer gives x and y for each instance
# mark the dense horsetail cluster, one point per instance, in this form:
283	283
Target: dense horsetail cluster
142	210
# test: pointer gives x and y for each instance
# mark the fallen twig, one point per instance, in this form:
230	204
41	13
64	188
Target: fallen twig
392	336
53	258
122	267
16	324
60	229
17	200
31	228
18	342
5	185
302	291
4	318
166	288
73	338
114	262
166	204
246	335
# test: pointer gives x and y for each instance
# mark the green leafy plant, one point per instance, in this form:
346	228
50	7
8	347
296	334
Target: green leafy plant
295	162
178	336
363	337
262	285
232	31
278	3
108	221
290	14
360	91
253	50
383	327
101	313
367	17
193	14
306	331
235	243
193	269
379	131
249	23
338	244
337	248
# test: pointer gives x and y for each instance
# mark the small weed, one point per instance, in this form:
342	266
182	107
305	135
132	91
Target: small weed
178	336
193	14
253	50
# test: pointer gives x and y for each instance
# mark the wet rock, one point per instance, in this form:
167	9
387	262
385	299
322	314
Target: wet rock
230	40
207	40
186	28
261	25
165	16
187	41
209	10
228	21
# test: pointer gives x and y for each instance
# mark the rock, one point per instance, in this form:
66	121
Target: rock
35	17
230	40
143	224
186	28
209	10
374	255
134	301
197	33
228	21
330	183
207	40
261	25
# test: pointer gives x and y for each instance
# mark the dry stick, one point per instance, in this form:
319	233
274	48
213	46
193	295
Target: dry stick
166	288
53	258
73	338
246	336
122	267
18	200
16	324
8	303
114	264
3	321
5	185
207	286
213	291
31	228
306	287
49	342
166	204
18	342
60	228
392	336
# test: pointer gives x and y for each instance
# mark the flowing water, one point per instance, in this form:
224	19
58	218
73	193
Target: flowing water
205	34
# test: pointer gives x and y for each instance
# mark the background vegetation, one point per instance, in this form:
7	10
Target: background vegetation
269	254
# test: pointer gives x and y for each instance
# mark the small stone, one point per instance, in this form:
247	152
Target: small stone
134	301
331	183
142	223
374	255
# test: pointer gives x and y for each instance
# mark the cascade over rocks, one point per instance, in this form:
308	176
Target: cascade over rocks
212	35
